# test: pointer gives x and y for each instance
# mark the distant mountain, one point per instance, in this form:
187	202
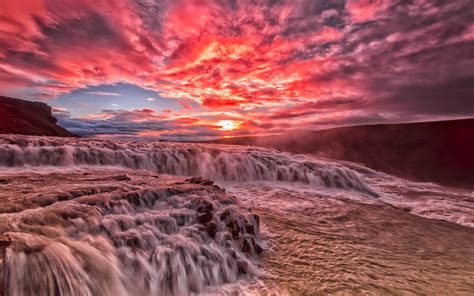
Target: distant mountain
441	152
29	118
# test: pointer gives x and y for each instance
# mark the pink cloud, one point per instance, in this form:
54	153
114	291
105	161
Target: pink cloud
364	10
269	62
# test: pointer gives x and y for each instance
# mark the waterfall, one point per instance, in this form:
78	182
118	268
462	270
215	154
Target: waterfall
217	162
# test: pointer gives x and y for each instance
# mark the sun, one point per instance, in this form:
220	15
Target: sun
227	125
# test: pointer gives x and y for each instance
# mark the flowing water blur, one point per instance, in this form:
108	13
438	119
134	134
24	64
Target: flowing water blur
91	217
326	242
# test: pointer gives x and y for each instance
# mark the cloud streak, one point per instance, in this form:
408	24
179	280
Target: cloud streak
101	93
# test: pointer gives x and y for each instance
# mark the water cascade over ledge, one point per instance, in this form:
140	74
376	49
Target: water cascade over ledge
110	217
217	162
112	232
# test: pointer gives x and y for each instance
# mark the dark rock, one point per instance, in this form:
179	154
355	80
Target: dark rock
258	249
234	228
249	244
257	219
246	247
224	215
134	198
217	187
206	217
133	242
202	205
242	266
5	242
228	200
200	181
63	197
250	228
211	229
122	178
29	118
254	227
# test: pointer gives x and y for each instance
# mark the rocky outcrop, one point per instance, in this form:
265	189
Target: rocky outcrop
29	118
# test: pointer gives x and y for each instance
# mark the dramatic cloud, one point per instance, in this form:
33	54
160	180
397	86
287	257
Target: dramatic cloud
260	66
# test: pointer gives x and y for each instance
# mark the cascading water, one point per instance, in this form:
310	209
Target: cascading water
168	237
151	237
93	217
230	163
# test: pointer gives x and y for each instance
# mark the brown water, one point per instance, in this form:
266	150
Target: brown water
94	231
370	249
91	217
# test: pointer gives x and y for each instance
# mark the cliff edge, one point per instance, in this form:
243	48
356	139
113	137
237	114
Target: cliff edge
29	118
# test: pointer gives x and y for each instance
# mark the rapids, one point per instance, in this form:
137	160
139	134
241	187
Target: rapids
108	217
217	162
113	232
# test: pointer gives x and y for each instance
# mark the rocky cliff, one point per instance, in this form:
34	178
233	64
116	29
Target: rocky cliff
29	118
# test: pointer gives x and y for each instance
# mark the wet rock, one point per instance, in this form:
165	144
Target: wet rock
217	187
250	245
5	242
250	228
205	218
200	181
122	178
257	219
242	266
133	242
211	229
133	198
224	215
202	205
227	200
253	227
246	245
234	228
63	197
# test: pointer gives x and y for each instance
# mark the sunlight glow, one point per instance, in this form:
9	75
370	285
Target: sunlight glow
227	125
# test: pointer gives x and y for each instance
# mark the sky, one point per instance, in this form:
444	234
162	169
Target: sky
198	69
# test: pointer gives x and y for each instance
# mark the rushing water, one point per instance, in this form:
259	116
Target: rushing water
93	217
211	161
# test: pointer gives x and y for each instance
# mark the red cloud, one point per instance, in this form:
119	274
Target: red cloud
264	62
195	56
